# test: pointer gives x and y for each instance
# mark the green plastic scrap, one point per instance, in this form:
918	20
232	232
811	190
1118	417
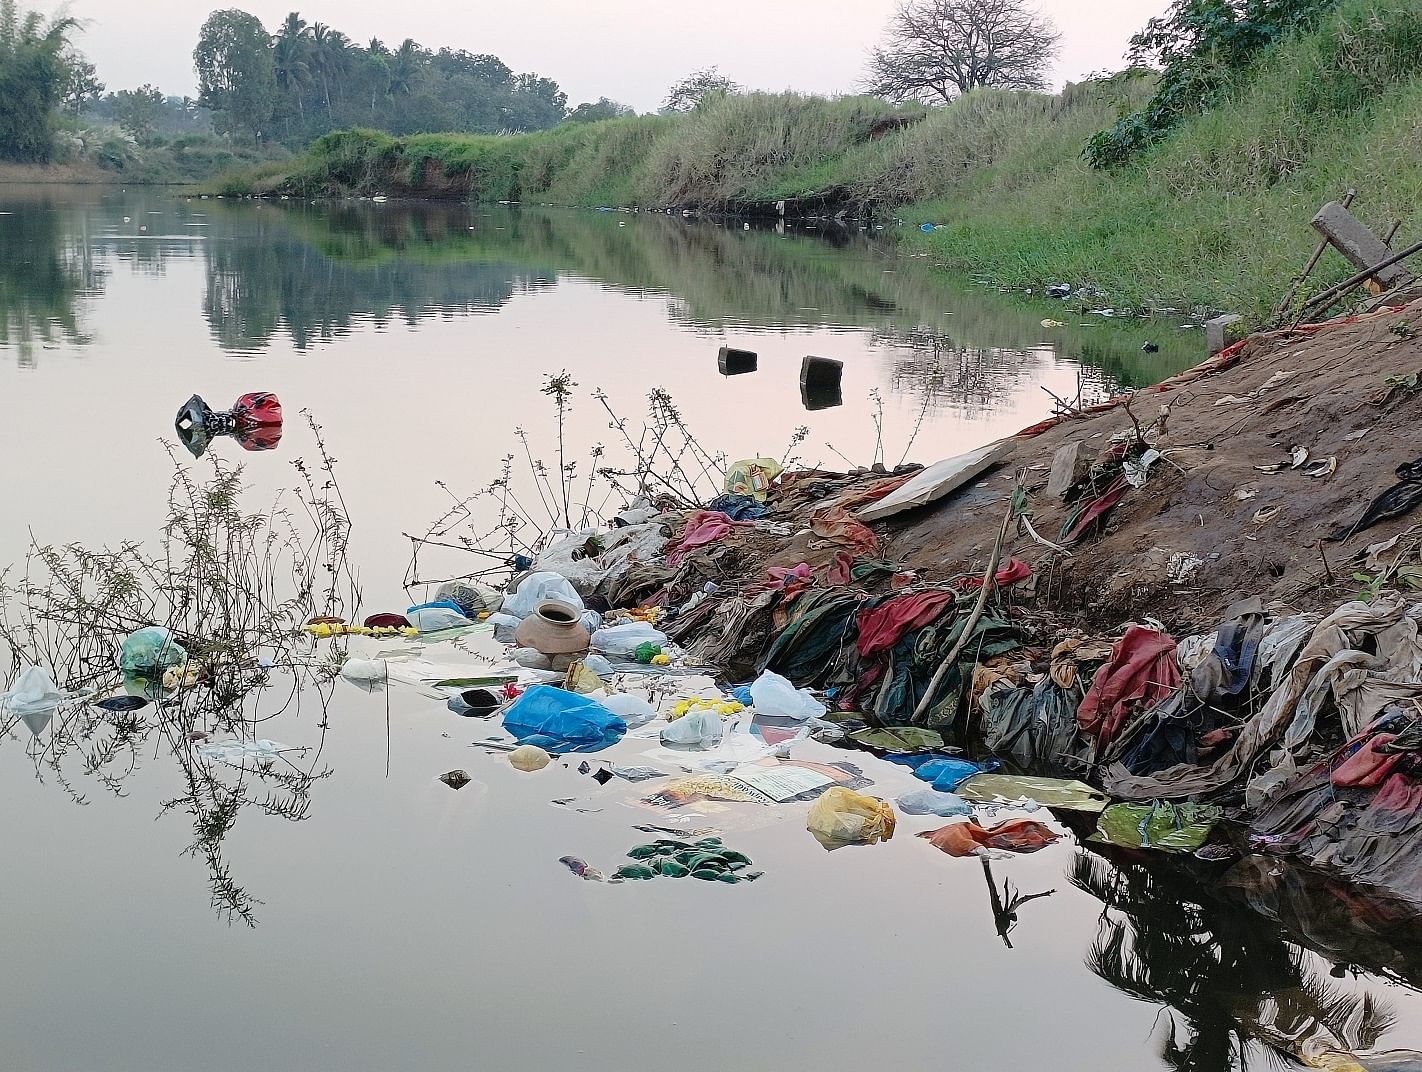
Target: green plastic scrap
1159	825
900	738
707	859
1062	793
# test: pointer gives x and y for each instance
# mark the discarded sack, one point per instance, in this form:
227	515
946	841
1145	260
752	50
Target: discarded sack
562	721
1397	500
842	816
535	588
970	839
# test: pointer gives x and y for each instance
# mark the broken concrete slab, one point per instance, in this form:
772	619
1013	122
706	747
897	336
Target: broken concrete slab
1071	464
1218	333
937	481
1353	238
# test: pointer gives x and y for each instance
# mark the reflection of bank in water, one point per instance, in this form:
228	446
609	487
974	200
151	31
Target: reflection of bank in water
1228	952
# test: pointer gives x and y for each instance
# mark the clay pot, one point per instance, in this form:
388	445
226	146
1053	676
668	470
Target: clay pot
554	628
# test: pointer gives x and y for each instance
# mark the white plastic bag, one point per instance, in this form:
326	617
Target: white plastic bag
535	588
699	728
771	694
434	619
623	640
34	693
368	674
633	710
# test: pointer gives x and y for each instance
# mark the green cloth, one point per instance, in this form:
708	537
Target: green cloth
809	645
916	657
1158	825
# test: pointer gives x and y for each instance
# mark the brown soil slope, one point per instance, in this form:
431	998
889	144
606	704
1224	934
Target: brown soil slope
1197	503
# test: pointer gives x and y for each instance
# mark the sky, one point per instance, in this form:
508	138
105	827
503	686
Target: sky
629	50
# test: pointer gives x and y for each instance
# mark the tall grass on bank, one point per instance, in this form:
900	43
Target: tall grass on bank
1215	216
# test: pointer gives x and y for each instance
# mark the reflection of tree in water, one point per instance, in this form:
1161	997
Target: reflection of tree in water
44	270
264	279
111	747
949	376
234	587
1232	985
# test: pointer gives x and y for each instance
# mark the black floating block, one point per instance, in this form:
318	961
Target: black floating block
820	383
733	362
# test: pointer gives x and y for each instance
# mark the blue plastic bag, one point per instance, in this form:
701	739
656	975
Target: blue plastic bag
560	721
946	774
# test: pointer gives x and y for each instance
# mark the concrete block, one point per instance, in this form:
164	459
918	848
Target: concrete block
1217	331
1070	466
1352	238
733	362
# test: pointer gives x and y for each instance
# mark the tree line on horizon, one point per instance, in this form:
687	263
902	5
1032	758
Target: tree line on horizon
284	89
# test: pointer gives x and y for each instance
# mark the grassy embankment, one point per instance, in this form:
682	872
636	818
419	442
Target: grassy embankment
1216	216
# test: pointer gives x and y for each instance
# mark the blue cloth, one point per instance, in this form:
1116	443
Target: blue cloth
743	695
560	721
738	507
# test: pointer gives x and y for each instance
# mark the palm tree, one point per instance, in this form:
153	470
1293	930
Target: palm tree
292	60
405	67
331	57
378	70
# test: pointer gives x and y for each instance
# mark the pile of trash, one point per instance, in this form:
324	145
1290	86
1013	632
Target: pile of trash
916	620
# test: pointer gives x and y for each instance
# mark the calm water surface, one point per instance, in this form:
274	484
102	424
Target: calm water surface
402	925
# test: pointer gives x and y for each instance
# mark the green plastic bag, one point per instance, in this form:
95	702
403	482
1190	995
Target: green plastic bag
150	651
1158	825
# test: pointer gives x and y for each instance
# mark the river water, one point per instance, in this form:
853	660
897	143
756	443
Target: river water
394	923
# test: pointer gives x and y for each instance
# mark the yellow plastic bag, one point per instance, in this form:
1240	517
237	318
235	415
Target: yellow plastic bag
844	816
581	680
752	477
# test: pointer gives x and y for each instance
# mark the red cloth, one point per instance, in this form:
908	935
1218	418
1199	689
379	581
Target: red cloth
875	491
1102	505
841	571
1140	673
1015	570
968	839
881	627
703	527
835	524
792	581
1367	768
